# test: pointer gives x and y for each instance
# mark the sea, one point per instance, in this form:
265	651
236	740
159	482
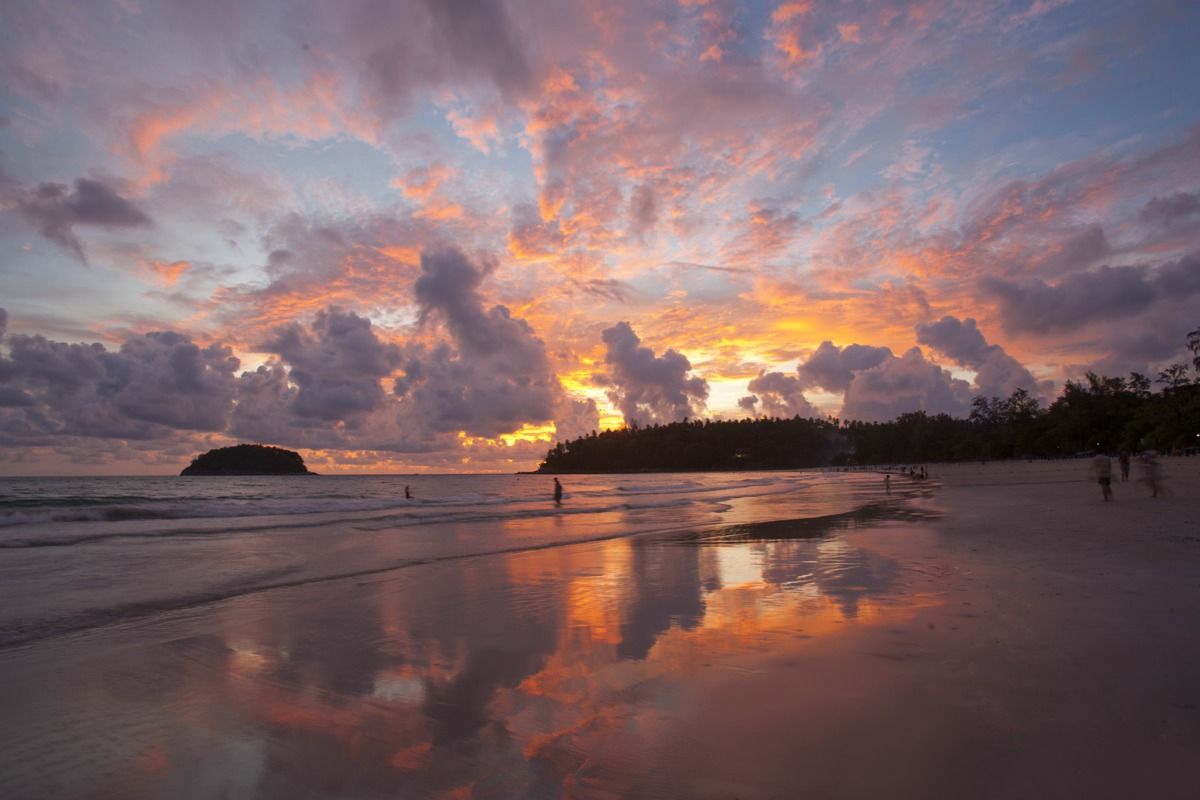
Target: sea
78	555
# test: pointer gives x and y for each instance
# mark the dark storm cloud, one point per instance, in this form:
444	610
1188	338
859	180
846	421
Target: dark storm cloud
647	388
337	365
907	383
781	396
1168	210
997	374
832	368
155	382
493	376
1105	293
55	210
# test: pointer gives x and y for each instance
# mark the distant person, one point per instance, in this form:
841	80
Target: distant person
557	492
407	494
1101	472
887	482
1123	460
1150	474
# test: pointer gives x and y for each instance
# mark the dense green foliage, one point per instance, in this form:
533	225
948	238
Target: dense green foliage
1096	414
247	459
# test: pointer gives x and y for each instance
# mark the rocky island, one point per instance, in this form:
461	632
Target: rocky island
248	459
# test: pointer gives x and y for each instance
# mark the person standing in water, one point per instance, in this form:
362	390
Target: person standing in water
557	492
407	494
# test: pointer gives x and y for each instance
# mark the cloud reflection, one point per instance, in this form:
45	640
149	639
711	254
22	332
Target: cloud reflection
501	676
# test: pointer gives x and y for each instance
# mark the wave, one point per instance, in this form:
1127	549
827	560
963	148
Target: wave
430	515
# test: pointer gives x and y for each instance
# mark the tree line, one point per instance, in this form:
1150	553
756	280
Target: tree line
1096	414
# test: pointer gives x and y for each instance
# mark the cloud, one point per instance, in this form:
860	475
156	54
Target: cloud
1166	211
958	340
155	383
643	210
531	238
400	49
997	373
781	396
264	398
1080	250
1105	293
899	385
494	374
3	322
479	38
337	365
766	231
574	418
832	368
647	388
55	210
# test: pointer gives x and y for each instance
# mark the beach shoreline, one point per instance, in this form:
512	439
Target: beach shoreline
1011	636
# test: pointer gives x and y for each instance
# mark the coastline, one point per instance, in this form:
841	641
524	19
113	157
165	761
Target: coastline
1013	636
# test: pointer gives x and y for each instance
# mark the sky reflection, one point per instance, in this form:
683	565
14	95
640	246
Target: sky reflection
547	673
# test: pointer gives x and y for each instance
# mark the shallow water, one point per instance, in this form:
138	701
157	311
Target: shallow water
508	649
76	554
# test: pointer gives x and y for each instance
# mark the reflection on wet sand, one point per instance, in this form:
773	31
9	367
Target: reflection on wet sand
570	671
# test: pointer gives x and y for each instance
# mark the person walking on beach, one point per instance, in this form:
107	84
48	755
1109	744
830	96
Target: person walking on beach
1101	472
407	494
557	492
1123	460
887	482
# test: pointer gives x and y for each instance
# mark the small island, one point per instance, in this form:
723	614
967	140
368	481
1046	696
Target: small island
248	459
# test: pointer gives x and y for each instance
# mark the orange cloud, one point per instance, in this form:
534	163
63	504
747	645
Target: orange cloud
421	182
790	10
170	273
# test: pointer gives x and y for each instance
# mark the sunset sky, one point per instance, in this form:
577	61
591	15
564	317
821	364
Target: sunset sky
436	236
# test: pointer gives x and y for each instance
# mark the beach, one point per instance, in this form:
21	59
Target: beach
996	631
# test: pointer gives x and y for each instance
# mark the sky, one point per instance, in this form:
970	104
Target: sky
439	235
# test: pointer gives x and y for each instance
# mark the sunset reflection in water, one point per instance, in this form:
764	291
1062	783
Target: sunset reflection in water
580	670
566	670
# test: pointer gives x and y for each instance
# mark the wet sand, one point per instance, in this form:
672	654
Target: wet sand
1006	634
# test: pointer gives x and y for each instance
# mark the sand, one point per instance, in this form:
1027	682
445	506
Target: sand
1008	635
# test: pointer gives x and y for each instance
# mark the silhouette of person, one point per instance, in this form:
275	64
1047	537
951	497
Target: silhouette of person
557	492
407	494
887	482
1101	472
1123	460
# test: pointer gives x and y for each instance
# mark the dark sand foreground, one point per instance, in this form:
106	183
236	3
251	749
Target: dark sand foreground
1009	636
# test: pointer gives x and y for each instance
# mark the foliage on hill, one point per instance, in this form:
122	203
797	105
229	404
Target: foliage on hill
1096	414
247	459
